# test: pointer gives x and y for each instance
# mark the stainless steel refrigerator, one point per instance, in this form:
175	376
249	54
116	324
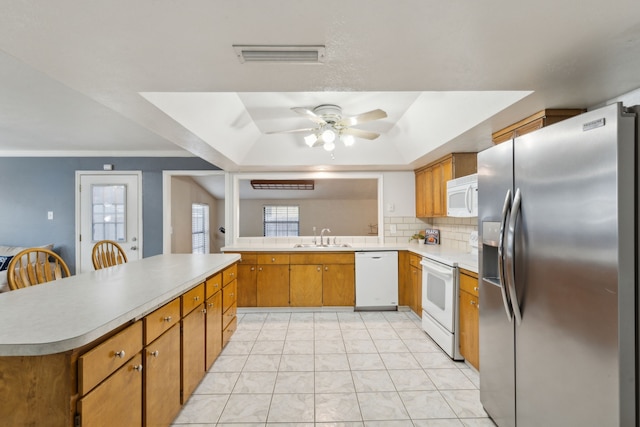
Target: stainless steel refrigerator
557	225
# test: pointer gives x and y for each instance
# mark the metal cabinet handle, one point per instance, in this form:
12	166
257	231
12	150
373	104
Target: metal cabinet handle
154	353
210	304
273	260
167	319
119	354
475	288
253	269
318	268
260	269
326	268
472	302
134	248
137	368
204	310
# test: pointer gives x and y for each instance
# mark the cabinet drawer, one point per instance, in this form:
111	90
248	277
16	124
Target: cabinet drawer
315	258
99	362
229	295
192	299
230	273
273	258
229	315
229	330
213	284
117	401
247	257
156	323
469	284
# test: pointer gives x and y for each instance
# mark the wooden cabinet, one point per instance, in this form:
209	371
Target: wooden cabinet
247	280
338	285
534	122
229	303
117	401
469	317
213	327
431	182
416	284
331	280
273	286
305	285
110	380
162	379
192	340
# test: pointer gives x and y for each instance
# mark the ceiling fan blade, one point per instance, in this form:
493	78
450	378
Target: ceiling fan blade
358	133
292	131
362	118
310	115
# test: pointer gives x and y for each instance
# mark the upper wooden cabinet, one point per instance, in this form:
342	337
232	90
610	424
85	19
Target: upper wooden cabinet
534	122
431	182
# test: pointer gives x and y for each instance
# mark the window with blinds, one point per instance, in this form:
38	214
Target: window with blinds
281	221
199	228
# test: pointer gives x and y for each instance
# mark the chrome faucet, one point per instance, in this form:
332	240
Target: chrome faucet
322	236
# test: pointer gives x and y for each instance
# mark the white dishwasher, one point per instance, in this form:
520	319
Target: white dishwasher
377	280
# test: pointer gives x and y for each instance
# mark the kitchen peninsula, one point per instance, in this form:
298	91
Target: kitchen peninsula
67	345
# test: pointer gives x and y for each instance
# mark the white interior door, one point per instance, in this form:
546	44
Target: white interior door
108	206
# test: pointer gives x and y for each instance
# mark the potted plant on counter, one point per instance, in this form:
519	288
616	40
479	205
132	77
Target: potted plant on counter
419	237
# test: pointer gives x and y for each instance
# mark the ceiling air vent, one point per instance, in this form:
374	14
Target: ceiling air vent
310	54
282	184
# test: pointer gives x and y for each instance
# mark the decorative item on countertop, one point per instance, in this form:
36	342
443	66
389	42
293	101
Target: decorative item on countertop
432	236
418	236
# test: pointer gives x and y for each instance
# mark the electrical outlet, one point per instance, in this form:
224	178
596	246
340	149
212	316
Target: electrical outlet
393	228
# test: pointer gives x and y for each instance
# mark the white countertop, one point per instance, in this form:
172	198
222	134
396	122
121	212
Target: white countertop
450	256
65	314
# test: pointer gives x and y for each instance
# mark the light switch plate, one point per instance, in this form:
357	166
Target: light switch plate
50	215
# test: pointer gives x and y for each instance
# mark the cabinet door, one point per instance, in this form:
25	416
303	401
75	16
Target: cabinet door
416	291
117	401
439	191
213	329
428	192
306	285
273	285
404	279
192	350
338	285
420	193
247	280
469	328
162	379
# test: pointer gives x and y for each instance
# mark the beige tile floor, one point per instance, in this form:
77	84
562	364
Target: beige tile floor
334	368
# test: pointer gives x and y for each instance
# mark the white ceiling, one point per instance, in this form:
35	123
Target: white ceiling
161	77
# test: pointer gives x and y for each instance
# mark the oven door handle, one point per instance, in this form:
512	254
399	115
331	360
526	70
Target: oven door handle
448	271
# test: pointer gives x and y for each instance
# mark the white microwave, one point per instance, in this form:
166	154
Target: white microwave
462	196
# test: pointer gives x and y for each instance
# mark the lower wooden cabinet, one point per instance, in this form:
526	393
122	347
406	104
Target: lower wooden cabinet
306	285
247	285
162	379
469	317
117	401
338	285
273	285
193	350
213	328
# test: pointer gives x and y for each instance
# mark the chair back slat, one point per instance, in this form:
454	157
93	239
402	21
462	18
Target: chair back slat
34	266
107	253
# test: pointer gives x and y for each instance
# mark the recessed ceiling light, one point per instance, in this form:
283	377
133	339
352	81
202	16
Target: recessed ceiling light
293	54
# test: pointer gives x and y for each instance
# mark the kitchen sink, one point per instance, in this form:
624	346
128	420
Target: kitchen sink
313	245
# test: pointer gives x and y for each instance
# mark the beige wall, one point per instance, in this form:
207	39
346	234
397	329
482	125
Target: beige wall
343	217
184	192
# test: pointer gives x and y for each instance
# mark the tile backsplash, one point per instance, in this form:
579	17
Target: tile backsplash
454	232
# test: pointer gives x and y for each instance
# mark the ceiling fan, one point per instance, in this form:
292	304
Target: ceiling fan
330	125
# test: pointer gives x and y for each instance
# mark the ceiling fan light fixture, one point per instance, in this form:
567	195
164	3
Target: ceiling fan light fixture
328	135
329	146
310	140
347	140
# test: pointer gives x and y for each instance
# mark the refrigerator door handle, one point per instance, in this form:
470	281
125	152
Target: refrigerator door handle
467	198
506	208
511	275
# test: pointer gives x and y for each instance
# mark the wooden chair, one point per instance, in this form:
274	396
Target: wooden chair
34	266
107	253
